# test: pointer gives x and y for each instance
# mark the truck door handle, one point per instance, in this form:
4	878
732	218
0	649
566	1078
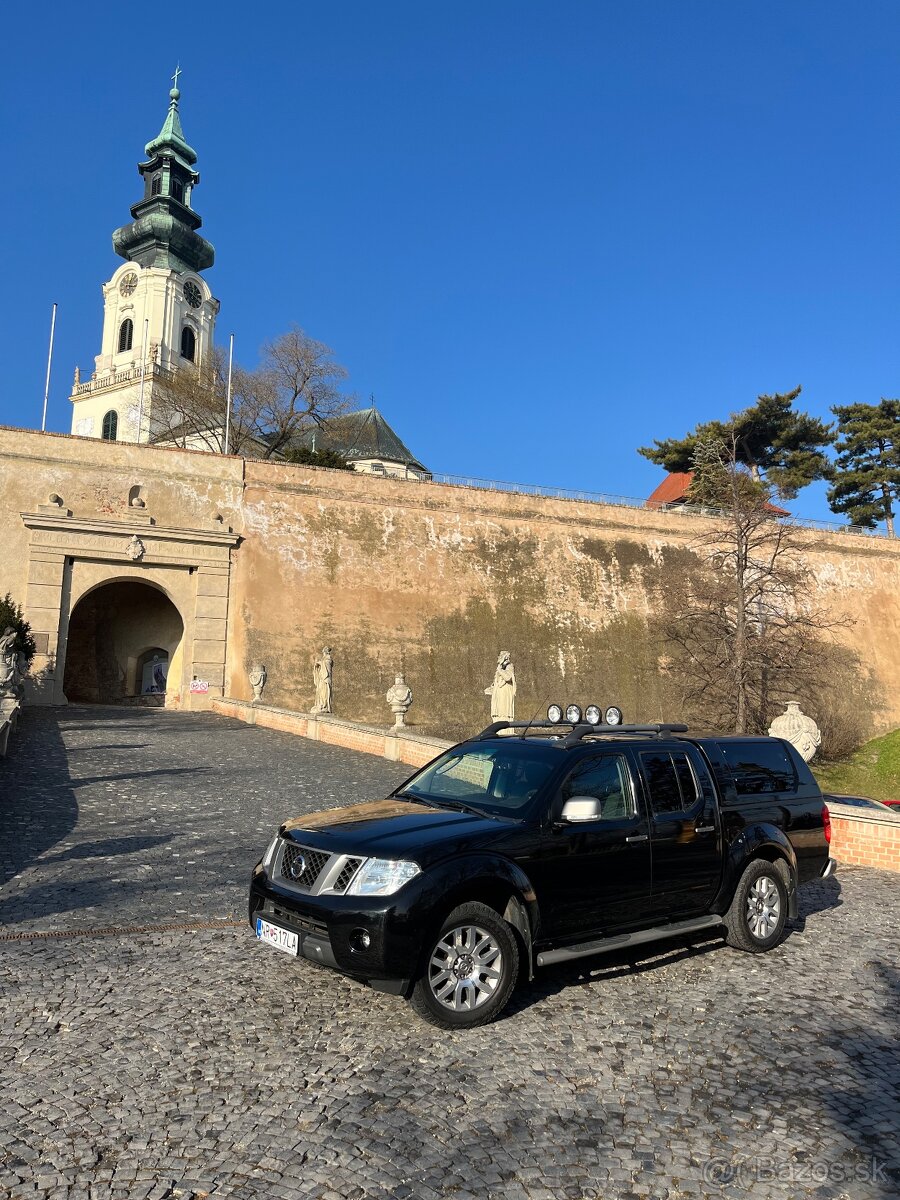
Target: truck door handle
704	829
637	837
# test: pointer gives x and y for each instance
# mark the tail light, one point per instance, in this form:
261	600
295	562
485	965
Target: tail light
826	821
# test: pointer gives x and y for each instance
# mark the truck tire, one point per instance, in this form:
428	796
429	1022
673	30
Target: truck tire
470	969
755	921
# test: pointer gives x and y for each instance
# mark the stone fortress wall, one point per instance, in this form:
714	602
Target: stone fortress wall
267	562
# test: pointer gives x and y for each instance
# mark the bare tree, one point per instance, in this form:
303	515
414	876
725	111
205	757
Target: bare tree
296	384
188	407
748	633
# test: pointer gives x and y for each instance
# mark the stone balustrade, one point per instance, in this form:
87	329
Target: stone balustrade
399	744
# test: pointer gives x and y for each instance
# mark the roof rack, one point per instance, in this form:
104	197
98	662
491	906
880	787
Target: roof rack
578	731
582	731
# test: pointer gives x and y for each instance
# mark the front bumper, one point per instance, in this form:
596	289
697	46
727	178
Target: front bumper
328	927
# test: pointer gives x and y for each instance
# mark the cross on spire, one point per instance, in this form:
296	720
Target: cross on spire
178	72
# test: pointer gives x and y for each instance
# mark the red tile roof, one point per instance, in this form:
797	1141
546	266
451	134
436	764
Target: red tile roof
673	490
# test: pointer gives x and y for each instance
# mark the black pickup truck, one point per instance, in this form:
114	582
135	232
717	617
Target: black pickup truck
526	846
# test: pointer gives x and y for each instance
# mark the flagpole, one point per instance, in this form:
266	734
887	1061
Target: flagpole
228	395
143	373
49	364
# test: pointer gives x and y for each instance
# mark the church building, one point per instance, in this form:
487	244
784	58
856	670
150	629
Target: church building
159	313
159	317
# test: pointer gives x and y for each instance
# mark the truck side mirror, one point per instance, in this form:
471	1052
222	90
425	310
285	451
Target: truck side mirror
580	808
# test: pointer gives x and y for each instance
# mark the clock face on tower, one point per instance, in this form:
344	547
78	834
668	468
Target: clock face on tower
192	294
128	283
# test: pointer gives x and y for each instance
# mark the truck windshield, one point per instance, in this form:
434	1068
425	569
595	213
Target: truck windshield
500	780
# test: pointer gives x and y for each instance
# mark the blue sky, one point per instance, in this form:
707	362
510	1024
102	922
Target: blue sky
541	234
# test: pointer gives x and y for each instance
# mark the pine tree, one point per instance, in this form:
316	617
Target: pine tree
775	443
867	480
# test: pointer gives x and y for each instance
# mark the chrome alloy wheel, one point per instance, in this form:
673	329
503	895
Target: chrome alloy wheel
763	908
465	968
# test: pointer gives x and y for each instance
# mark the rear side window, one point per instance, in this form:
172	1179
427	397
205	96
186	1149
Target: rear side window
760	768
671	780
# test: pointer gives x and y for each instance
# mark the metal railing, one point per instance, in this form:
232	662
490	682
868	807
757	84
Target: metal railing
687	510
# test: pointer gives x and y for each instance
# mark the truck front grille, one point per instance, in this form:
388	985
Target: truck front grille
302	865
348	870
311	871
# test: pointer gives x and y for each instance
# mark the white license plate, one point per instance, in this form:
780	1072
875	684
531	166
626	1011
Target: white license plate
274	935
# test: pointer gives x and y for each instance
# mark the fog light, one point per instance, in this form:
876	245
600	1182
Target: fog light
613	716
554	714
360	940
573	714
592	714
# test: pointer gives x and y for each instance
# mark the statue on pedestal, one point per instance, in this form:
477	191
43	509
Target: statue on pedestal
798	729
399	697
322	677
503	690
9	665
258	676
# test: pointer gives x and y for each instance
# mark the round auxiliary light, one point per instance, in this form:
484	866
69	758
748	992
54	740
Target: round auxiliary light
573	714
554	714
613	715
592	714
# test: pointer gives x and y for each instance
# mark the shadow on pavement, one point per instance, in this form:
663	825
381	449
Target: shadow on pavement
88	780
108	848
862	1098
38	807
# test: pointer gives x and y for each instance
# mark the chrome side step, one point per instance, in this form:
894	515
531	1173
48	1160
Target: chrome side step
624	940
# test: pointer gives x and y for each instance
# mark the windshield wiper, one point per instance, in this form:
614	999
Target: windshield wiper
461	806
408	794
441	802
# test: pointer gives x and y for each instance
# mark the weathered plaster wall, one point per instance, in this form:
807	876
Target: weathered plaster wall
432	579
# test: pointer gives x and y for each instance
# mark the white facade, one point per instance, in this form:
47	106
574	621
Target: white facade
171	303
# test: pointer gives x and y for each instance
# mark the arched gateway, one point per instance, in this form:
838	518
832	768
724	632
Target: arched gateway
119	607
124	638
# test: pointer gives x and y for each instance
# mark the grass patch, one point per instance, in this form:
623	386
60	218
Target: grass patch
874	770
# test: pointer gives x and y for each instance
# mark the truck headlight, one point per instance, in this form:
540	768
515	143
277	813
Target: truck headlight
382	877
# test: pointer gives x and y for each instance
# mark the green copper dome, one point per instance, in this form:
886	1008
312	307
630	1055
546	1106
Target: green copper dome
164	230
171	136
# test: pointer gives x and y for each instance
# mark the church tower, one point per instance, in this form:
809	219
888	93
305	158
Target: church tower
159	314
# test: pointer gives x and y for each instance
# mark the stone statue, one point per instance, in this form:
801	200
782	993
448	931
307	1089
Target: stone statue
503	690
798	729
322	677
258	676
399	697
8	661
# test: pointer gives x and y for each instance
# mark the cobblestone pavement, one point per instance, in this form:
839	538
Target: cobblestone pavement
184	1063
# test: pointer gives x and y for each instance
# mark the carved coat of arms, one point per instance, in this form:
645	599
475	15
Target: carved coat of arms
135	549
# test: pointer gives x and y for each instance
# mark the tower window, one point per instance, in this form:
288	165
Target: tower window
126	335
156	185
188	343
110	426
177	188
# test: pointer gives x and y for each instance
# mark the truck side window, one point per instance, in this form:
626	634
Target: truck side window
670	777
606	778
760	768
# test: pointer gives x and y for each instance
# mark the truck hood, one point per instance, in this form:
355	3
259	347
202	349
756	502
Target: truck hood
390	829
